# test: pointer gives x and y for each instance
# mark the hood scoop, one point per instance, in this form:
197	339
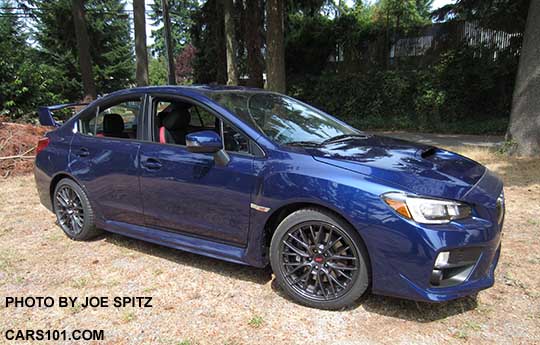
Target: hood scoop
430	151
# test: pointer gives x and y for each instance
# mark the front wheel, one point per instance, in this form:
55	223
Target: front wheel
319	260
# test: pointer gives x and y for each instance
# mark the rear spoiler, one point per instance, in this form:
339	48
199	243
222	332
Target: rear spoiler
46	113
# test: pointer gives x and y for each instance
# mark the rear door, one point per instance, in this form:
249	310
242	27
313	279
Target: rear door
188	193
104	156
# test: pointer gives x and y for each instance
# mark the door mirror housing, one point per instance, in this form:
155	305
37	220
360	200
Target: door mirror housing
208	142
204	142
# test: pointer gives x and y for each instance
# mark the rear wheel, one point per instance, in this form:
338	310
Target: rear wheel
73	211
319	260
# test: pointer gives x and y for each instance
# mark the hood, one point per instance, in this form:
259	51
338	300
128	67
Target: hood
417	168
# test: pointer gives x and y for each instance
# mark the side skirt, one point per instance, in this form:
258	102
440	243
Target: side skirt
178	241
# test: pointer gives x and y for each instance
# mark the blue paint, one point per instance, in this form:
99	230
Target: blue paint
168	195
204	142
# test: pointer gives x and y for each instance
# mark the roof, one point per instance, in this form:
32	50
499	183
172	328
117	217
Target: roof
199	87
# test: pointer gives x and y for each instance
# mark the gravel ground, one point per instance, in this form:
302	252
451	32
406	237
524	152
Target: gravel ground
198	300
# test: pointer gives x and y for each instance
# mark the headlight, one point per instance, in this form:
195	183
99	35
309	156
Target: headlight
425	210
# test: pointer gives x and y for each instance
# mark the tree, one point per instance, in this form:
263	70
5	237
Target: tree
157	71
184	65
181	13
141	53
83	46
230	42
168	43
110	43
275	59
524	127
254	42
25	82
490	14
208	35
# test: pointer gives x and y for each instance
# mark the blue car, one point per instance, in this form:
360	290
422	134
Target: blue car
257	178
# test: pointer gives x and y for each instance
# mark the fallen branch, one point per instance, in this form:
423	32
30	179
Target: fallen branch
6	141
21	156
16	157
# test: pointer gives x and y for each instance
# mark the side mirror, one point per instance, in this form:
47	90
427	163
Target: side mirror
203	142
208	142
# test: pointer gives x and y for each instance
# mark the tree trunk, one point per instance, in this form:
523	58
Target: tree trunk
83	46
275	59
218	37
253	37
171	68
141	54
230	43
524	128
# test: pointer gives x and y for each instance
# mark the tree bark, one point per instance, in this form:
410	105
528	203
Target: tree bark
83	46
171	68
275	59
230	43
524	128
141	53
219	37
253	37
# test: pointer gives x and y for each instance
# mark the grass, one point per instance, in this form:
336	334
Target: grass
207	301
79	283
256	321
128	316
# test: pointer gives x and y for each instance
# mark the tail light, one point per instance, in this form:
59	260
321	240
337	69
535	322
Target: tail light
42	144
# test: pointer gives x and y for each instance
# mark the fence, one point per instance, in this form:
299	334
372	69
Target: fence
422	46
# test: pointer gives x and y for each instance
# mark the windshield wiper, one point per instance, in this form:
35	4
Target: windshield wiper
303	143
342	137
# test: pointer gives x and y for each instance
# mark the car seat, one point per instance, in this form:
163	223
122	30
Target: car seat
113	126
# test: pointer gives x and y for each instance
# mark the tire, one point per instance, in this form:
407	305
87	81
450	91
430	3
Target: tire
319	260
74	213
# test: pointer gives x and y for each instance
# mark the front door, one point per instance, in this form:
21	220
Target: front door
188	193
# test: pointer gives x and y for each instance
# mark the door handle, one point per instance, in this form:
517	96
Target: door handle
152	164
83	152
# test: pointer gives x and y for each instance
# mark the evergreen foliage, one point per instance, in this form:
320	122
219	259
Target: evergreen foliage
111	45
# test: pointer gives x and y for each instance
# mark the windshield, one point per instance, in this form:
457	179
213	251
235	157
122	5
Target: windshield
281	118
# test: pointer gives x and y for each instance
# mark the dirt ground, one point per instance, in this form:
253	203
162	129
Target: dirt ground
198	300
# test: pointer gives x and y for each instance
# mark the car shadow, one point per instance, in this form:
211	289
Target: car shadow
228	269
422	312
382	305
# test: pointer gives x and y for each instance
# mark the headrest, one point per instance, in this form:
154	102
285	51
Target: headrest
175	119
113	123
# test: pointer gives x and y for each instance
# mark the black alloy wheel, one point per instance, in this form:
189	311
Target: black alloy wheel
69	210
73	211
319	260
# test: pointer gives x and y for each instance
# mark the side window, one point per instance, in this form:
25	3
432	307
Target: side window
202	118
234	140
87	123
175	119
116	121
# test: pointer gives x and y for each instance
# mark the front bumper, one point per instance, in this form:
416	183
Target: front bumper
403	258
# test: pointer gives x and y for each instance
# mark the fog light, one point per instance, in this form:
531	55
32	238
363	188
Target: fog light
436	277
442	260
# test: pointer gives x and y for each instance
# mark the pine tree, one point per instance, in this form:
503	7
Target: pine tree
24	80
111	46
181	13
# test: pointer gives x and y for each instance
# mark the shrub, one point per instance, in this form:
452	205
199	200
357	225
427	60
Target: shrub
465	91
